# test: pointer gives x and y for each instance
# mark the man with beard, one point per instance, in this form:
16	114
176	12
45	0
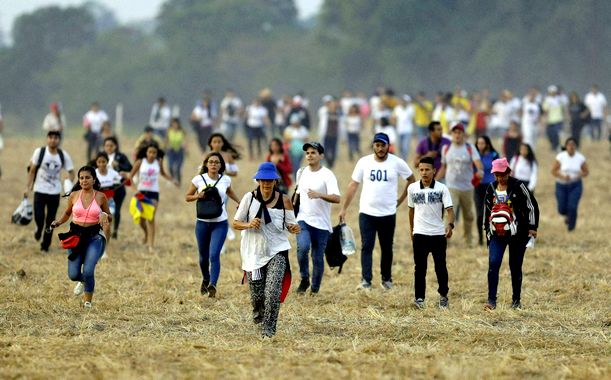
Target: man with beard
379	173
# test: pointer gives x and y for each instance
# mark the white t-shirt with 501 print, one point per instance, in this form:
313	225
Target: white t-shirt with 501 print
48	180
316	212
380	180
222	186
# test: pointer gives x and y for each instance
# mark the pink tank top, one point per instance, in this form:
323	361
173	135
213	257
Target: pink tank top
86	215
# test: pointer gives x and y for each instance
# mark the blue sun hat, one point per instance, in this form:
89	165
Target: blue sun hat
266	171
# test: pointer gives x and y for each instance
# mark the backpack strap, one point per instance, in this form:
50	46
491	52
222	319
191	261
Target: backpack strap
298	177
206	183
41	156
61	157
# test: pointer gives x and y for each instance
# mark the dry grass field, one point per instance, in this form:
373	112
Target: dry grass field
149	320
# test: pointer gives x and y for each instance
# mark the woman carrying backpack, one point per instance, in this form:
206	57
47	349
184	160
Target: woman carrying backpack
209	188
487	154
511	218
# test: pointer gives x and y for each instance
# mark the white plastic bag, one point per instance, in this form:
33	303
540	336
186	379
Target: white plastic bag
347	241
68	185
23	213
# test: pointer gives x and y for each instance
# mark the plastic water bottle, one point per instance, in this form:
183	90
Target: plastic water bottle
347	241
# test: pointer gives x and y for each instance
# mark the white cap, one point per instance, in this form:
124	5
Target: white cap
407	98
297	99
552	88
327	98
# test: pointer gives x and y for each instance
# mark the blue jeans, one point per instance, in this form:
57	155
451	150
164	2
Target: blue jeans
175	160
384	226
353	145
568	196
496	250
596	128
91	253
210	239
404	141
330	145
318	240
553	134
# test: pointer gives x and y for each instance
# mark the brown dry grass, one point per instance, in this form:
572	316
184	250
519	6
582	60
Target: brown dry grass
149	321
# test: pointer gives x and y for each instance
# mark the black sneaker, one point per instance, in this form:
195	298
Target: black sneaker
211	291
204	288
37	235
419	303
257	316
516	305
114	235
303	285
443	302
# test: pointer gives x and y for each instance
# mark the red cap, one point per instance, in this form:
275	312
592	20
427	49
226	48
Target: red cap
458	126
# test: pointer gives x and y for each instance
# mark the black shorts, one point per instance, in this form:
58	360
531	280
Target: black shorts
153	195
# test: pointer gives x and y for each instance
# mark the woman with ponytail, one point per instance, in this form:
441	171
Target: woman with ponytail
91	218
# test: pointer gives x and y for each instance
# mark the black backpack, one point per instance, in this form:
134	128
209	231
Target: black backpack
333	251
41	156
211	206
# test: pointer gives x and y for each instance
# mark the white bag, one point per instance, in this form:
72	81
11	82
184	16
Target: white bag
23	214
68	185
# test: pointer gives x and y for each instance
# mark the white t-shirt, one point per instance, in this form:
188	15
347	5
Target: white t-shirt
380	180
405	118
428	204
316	212
94	120
596	103
524	171
459	165
148	176
202	114
234	102
259	246
48	180
256	116
222	186
570	165
501	115
531	112
160	117
52	123
352	123
109	180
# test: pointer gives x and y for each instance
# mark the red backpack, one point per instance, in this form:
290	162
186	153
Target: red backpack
502	220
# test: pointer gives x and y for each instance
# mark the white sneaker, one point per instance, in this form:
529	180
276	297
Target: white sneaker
230	234
78	289
87	304
386	285
223	249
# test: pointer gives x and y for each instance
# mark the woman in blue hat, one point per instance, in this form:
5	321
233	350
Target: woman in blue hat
264	216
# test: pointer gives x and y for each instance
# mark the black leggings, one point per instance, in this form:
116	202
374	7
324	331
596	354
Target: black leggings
119	197
51	202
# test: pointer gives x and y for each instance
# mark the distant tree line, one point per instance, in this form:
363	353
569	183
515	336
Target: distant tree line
79	54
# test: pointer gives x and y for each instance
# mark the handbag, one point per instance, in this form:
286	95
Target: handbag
211	206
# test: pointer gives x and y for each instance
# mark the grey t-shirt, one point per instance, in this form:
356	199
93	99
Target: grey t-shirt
459	165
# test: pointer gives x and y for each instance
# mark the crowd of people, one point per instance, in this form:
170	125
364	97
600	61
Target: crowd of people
458	180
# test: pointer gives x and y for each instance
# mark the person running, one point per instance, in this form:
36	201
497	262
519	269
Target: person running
487	154
177	147
44	178
148	167
569	168
295	135
160	118
555	111
279	157
317	189
379	173
427	200
599	112
92	123
432	145
54	120
211	233
457	163
108	178
264	216
524	167
257	120
218	143
91	222
353	124
509	196
579	115
147	138
120	163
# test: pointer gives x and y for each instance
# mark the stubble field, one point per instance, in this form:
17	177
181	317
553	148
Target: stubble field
149	320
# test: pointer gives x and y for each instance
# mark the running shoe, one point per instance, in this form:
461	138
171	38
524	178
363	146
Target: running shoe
386	285
443	302
419	303
303	286
78	289
365	285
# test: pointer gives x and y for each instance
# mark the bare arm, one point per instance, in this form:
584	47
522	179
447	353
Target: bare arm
166	175
411	179
480	168
105	216
411	223
441	173
352	187
30	182
231	194
192	194
450	229
288	205
66	215
584	170
331	198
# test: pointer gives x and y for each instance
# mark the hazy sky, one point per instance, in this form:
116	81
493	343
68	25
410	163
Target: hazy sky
125	10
